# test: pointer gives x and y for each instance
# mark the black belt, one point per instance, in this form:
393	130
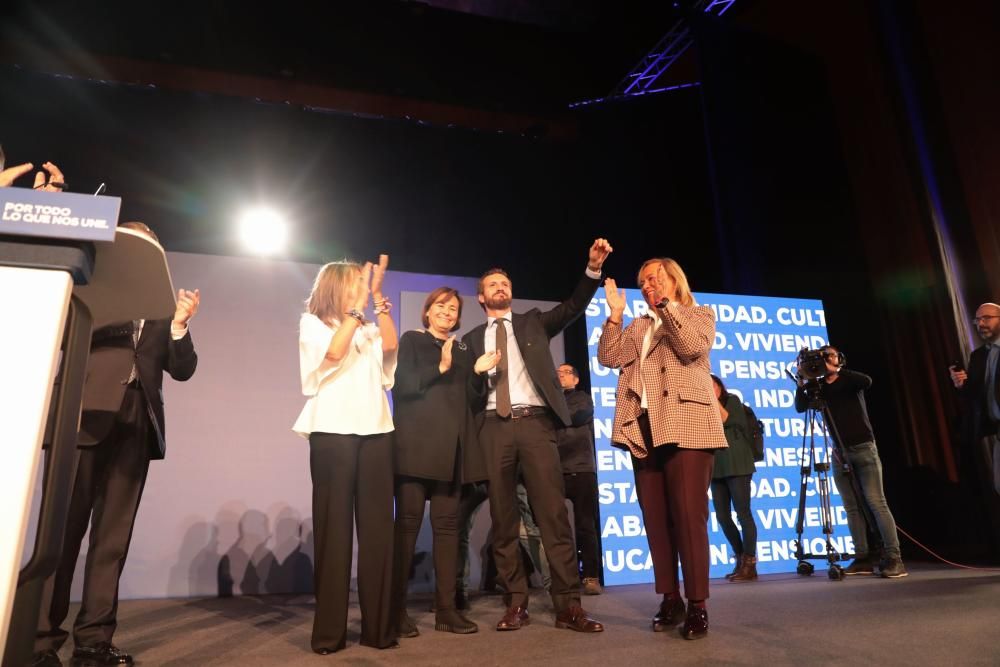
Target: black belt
522	411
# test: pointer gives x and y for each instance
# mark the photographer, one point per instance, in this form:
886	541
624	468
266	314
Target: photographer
843	391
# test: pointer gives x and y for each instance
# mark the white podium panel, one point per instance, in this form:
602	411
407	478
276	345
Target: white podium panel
35	302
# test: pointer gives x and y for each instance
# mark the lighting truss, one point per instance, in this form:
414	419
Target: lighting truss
643	77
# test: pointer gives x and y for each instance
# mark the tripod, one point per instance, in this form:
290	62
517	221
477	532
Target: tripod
817	415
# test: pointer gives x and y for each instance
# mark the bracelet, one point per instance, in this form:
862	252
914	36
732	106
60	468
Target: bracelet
357	314
383	307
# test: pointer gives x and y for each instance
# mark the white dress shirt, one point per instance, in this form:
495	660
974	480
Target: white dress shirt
346	397
522	389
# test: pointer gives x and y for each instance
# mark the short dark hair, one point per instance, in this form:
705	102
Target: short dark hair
489	273
576	373
441	294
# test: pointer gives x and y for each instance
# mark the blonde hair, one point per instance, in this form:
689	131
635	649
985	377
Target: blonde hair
326	300
674	270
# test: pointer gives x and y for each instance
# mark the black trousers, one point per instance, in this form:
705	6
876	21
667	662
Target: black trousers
411	495
729	493
530	442
581	490
109	481
352	480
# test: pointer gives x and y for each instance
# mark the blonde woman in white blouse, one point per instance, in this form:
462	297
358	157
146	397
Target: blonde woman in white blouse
347	363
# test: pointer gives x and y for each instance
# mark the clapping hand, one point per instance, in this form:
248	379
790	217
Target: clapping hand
53	182
363	289
487	362
445	363
378	276
11	174
187	306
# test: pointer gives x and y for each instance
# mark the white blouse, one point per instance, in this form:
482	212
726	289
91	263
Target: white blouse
346	397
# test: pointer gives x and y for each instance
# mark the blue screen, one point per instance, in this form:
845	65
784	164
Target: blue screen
756	340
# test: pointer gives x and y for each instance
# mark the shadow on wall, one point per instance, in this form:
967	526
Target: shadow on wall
247	551
256	561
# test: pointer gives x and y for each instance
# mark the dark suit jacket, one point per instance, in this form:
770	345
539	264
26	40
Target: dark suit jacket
977	422
576	442
111	357
431	413
533	330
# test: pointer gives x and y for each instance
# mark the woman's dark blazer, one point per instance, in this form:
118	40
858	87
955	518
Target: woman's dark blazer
431	414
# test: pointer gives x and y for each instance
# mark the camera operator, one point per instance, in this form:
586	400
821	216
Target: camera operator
843	391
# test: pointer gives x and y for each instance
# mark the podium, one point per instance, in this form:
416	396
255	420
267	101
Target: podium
57	283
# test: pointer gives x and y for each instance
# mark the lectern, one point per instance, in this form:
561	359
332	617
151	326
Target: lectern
64	269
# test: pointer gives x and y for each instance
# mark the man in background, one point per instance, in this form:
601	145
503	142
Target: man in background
579	466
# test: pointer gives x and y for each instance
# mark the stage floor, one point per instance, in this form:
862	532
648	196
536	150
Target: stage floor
935	616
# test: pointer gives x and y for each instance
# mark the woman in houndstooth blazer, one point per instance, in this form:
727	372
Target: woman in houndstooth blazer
667	418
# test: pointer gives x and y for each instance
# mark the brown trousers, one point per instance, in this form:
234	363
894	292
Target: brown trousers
672	485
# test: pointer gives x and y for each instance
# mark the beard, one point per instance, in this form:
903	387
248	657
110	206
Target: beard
498	302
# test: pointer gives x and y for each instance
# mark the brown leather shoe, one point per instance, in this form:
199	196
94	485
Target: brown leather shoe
513	619
696	624
576	618
591	586
670	613
747	570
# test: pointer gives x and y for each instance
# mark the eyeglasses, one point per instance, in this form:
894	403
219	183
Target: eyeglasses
983	318
564	371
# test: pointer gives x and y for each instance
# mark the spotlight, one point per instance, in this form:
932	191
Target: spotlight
263	230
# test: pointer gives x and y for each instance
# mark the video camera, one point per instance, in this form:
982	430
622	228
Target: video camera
811	364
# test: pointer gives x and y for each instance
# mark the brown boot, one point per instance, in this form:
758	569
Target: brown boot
747	571
736	568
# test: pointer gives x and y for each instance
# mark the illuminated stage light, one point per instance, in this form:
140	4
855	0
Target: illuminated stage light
263	230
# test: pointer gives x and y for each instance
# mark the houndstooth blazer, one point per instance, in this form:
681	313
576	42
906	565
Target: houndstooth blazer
681	403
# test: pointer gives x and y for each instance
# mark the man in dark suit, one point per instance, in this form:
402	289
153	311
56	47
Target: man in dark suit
980	387
121	430
579	467
517	406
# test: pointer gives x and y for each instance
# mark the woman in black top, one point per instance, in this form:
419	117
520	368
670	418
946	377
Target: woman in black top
731	474
435	451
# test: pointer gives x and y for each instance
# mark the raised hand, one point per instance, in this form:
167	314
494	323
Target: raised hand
615	299
445	363
487	362
187	306
378	275
599	252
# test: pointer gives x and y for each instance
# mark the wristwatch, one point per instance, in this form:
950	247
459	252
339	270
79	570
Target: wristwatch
357	314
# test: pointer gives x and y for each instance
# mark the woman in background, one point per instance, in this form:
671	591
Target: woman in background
734	467
347	364
436	451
